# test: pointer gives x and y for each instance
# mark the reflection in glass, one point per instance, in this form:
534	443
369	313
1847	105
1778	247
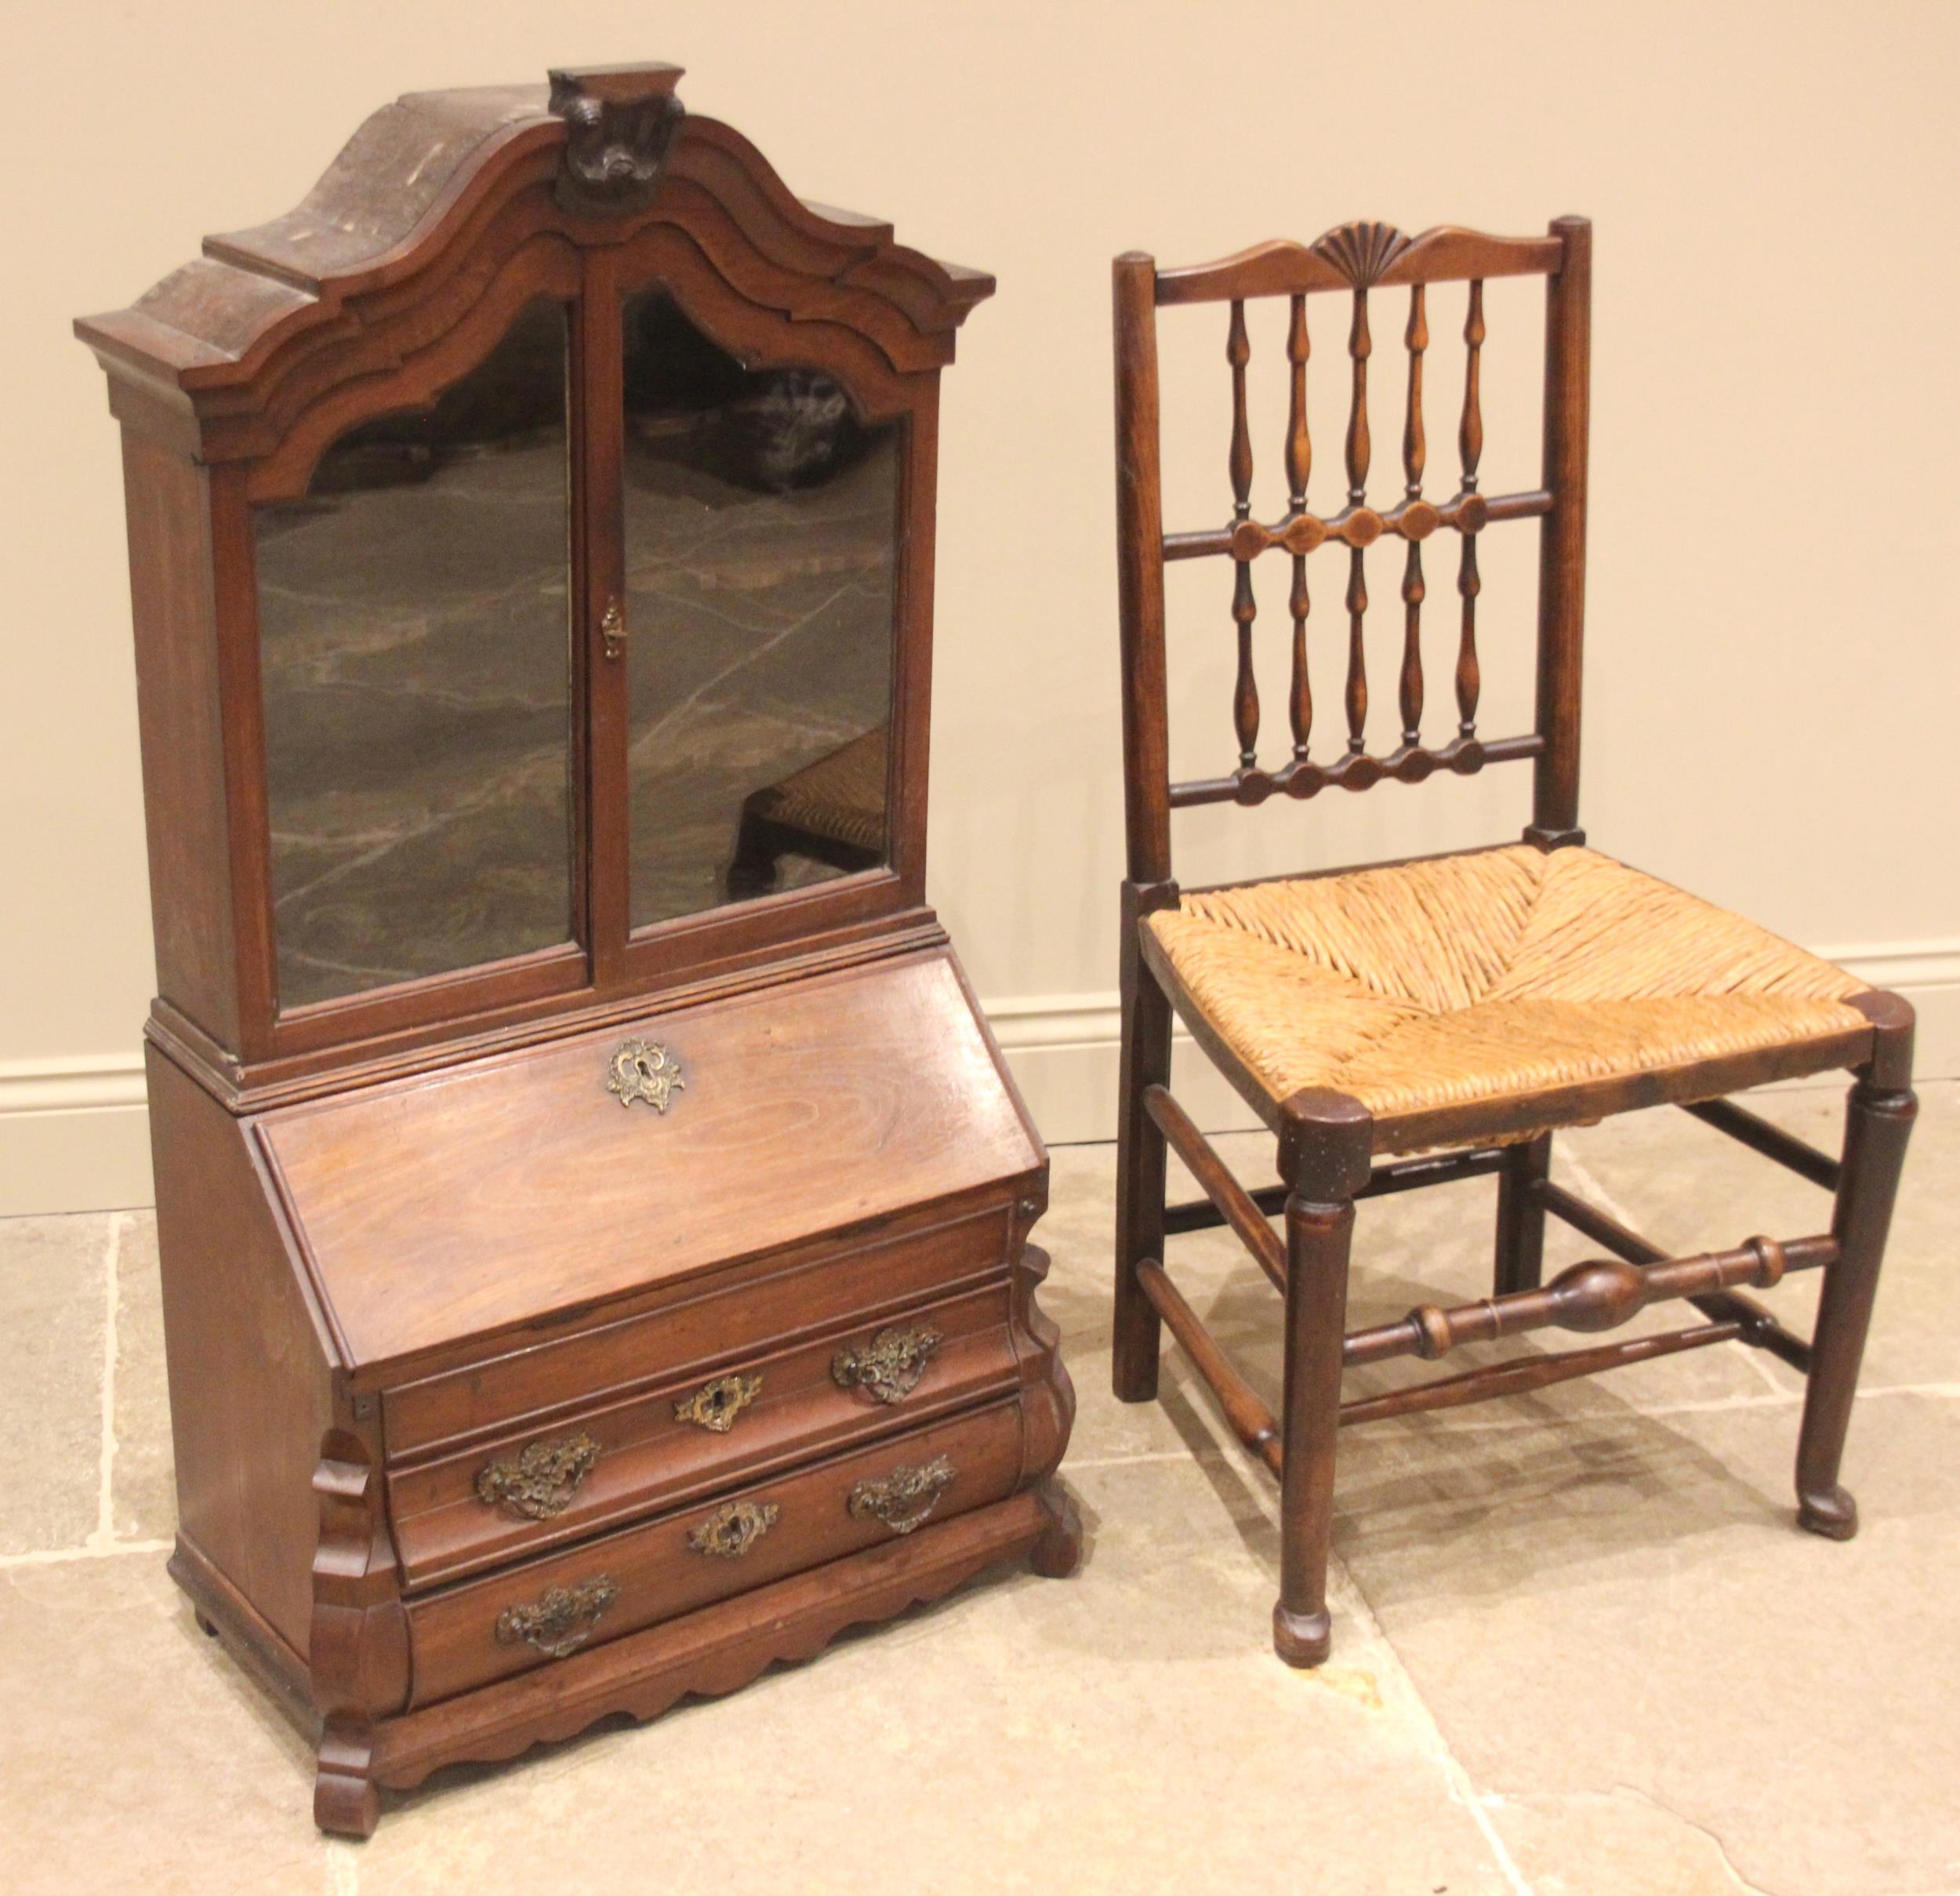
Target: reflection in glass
760	523
413	610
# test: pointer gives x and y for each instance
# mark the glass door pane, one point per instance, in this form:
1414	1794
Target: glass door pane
761	525
414	617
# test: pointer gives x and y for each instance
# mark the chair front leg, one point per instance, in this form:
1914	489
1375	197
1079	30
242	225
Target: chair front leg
1325	1149
1140	1161
1878	1123
1318	1239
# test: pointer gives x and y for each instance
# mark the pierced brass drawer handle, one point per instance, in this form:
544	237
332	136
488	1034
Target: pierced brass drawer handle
729	1532
644	1070
541	1478
561	1622
715	1405
904	1498
889	1366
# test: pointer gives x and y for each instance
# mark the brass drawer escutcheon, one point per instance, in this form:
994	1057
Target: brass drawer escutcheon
904	1498
541	1479
644	1070
890	1365
562	1621
729	1532
715	1405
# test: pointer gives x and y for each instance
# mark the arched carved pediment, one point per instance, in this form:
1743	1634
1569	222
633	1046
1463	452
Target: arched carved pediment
415	218
618	128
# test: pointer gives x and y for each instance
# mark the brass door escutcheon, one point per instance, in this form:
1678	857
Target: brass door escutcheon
644	1070
904	1497
612	629
715	1405
729	1532
562	1621
541	1478
890	1365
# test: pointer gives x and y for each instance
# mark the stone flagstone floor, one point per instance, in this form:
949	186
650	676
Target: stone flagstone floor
1580	1647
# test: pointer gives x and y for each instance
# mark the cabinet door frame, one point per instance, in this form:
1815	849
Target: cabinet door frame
693	946
547	264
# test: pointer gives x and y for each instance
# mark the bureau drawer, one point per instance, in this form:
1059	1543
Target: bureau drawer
509	1498
518	1618
811	1291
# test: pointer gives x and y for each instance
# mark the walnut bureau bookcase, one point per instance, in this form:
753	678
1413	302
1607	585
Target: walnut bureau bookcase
591	1272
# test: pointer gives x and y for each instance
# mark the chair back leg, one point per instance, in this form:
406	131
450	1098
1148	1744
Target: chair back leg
1878	1123
1140	1164
1521	1215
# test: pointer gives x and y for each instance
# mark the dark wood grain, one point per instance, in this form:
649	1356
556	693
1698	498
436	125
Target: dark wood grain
1878	1122
370	297
448	1326
659	1575
1561	546
568	1198
1235	1205
246	1349
1328	1145
1146	773
1249	1418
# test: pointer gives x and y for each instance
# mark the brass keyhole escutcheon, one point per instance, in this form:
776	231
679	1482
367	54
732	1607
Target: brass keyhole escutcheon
715	1405
644	1070
612	631
730	1531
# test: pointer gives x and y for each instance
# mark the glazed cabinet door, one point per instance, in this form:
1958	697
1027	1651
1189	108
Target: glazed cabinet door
423	728
745	540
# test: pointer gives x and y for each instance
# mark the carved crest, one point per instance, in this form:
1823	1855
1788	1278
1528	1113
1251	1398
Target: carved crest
619	121
1361	251
644	1070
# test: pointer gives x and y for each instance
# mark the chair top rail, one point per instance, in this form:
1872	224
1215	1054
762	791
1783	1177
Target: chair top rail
1357	256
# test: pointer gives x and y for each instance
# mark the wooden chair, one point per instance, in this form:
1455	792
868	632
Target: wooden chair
833	810
1424	1021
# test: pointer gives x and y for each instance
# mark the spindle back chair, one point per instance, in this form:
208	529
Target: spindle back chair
1453	1010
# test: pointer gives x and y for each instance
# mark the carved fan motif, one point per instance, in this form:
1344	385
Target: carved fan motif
1361	251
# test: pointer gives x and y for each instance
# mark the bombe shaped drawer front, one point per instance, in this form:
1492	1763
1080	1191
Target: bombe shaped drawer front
745	1312
547	1609
523	1492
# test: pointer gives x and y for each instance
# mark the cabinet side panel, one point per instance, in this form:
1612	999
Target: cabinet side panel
250	1389
168	499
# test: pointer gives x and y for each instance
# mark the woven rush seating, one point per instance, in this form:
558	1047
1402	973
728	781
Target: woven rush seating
1419	1023
840	798
833	810
1490	980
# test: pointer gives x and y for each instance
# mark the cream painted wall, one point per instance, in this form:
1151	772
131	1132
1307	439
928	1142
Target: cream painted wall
1773	669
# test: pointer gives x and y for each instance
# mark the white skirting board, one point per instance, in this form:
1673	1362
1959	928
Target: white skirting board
74	1133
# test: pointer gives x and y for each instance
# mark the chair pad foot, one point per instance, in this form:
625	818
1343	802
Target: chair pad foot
1302	1638
1834	1514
